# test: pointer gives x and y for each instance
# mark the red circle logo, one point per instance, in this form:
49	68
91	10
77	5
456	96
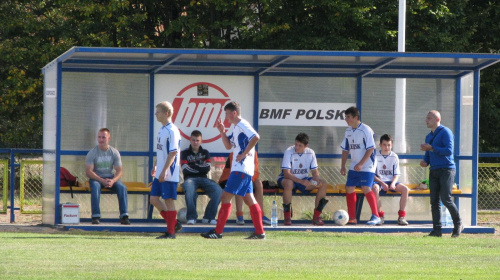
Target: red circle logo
198	106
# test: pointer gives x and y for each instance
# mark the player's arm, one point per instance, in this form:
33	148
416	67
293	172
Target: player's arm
168	163
89	171
366	156
153	170
222	131
380	183
315	175
345	154
250	146
288	175
395	178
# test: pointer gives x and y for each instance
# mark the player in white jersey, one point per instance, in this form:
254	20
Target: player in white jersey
298	161
360	144
387	176
166	168
242	141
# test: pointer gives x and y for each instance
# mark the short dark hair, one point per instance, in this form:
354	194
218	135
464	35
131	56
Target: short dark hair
302	138
196	133
105	130
233	106
386	137
353	111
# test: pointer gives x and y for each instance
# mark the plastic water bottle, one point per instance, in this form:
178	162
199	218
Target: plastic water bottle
446	220
274	214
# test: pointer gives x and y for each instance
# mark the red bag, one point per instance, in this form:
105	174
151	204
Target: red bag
67	179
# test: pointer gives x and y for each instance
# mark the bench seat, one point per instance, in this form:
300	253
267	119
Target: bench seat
412	187
137	187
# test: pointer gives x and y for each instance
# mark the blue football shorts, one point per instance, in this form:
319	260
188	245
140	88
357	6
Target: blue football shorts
359	179
166	189
239	183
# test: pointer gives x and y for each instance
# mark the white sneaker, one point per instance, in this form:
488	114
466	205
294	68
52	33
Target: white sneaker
191	222
213	222
402	221
205	221
374	221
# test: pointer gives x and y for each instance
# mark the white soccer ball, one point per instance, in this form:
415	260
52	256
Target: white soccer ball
341	217
181	215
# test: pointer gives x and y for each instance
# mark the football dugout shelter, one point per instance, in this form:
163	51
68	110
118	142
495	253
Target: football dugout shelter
282	93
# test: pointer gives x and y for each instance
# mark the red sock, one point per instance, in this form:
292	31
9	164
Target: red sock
224	212
381	213
316	214
372	201
256	214
402	213
351	205
171	221
164	216
287	215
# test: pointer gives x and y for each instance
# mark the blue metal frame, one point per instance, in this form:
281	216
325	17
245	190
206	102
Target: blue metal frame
58	143
475	147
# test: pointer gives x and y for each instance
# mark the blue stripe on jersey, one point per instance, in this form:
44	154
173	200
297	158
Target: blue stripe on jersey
347	144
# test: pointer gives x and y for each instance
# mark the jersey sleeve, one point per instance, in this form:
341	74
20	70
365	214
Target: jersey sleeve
397	172
173	142
286	162
117	159
89	159
369	139
314	161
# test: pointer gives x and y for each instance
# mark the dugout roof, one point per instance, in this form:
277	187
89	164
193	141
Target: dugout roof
275	62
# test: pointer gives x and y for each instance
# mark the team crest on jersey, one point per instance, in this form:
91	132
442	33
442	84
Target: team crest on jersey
300	165
384	167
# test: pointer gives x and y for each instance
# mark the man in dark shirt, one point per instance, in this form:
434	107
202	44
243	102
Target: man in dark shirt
195	164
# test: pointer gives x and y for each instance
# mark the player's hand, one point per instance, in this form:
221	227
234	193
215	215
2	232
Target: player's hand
384	186
220	126
162	177
423	163
357	167
240	157
392	187
153	171
342	171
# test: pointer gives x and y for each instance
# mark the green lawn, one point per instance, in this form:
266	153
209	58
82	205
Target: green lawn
283	255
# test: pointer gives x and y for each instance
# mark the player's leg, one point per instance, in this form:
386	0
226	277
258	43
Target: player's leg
121	192
287	186
402	203
370	196
350	196
320	201
224	212
239	210
376	190
169	196
189	186
258	193
256	214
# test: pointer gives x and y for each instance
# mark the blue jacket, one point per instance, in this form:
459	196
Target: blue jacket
442	142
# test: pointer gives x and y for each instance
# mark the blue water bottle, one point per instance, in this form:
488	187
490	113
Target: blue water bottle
274	214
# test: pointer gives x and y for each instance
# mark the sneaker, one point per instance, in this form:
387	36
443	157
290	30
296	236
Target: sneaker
191	222
435	233
178	226
266	220
287	222
318	222
166	235
402	221
352	222
240	220
96	220
205	221
374	220
124	220
213	222
382	220
257	236
211	235
457	230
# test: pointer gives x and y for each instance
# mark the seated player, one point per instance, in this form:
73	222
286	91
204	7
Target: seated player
386	177
298	161
258	190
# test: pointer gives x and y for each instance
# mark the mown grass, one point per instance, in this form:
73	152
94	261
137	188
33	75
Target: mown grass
283	255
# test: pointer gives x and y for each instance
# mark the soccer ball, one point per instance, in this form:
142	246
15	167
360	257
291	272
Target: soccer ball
181	215
341	217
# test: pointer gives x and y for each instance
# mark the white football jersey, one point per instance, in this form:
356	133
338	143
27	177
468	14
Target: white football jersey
299	164
168	140
387	166
241	134
356	142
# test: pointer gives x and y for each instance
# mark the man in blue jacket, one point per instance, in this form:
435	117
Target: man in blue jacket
438	150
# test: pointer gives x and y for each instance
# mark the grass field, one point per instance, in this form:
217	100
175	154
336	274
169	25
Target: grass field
283	255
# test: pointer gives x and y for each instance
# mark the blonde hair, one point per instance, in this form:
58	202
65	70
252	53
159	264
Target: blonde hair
166	107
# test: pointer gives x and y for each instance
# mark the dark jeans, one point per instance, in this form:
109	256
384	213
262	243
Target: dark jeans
440	184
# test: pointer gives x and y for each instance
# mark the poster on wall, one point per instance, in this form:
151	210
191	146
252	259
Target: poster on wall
199	101
302	114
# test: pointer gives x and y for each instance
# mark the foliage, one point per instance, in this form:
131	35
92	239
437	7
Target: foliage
34	32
